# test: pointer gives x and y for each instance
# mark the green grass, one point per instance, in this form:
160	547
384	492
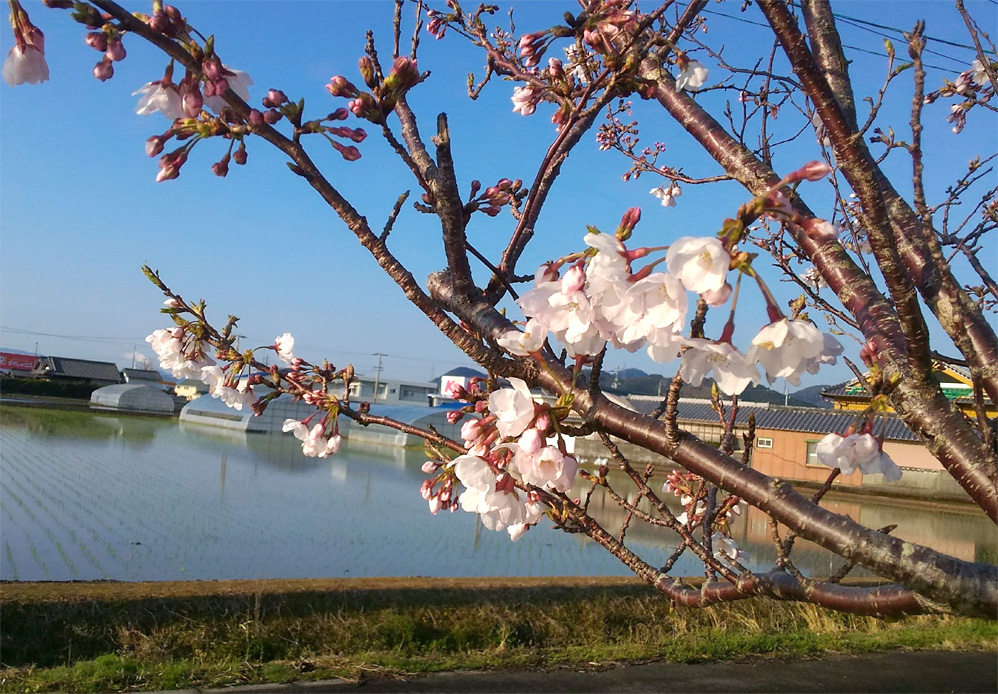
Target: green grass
147	637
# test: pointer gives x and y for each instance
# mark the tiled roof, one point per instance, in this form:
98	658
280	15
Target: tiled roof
807	419
141	374
81	368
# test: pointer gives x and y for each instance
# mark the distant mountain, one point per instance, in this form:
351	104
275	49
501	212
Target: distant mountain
637	382
812	396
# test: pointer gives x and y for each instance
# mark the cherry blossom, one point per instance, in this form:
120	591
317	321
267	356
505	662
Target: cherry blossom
980	75
691	77
533	512
315	444
182	360
283	345
547	467
830	349
782	346
529	341
701	263
513	408
667	194
857	452
654	309
524	101
26	64
731	370
497	504
160	96
726	550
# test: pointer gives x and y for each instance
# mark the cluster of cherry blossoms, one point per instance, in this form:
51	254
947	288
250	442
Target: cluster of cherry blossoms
514	457
318	441
183	350
857	452
602	300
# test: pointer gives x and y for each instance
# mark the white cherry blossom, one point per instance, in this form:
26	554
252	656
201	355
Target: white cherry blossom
857	452
667	194
731	370
783	346
547	467
284	344
513	408
156	97
524	101
692	77
26	65
701	263
527	342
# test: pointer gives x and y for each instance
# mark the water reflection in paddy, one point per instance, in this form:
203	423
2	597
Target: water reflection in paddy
90	496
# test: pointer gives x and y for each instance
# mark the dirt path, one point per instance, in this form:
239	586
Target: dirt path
887	673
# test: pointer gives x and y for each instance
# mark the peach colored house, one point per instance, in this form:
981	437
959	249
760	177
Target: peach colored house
786	437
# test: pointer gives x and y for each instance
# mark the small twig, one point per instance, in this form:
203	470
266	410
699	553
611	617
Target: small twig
393	216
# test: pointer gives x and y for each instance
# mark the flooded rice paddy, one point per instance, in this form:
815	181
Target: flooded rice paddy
87	496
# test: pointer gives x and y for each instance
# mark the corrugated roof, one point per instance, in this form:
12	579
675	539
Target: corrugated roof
807	419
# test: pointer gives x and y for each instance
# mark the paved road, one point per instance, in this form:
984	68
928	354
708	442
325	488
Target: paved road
886	673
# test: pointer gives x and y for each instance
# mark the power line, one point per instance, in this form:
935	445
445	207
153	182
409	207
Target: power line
83	338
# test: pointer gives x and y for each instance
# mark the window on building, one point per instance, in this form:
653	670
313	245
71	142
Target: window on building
812	455
763	443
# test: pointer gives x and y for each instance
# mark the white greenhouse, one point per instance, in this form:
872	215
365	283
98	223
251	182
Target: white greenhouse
132	397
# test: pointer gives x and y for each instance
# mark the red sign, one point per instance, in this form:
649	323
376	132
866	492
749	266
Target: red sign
19	362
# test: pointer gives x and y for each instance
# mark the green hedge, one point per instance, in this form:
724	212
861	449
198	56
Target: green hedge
37	386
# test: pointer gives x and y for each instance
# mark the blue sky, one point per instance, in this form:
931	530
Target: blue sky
80	210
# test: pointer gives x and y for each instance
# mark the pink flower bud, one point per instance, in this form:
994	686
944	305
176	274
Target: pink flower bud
115	51
272	116
104	70
212	69
555	68
812	171
255	118
221	167
161	24
574	280
543	422
154	146
239	156
454	416
426	489
341	86
717	297
430	466
338	114
471	430
193	102
349	153
274	98
97	40
531	441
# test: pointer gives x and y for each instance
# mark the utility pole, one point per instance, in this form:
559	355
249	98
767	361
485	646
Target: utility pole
377	374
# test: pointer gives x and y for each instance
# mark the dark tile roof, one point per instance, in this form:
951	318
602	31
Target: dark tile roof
80	368
141	374
807	419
